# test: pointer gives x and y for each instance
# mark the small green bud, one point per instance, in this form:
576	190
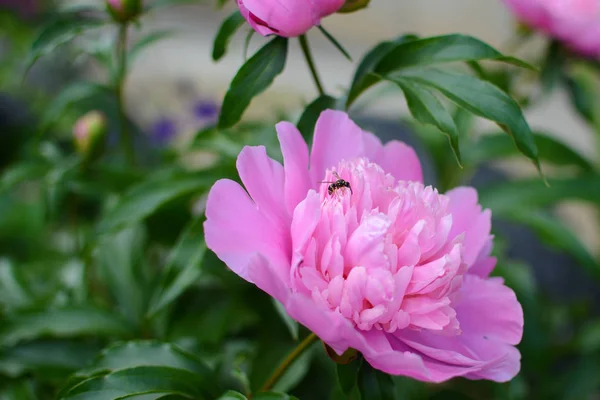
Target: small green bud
124	10
353	5
88	132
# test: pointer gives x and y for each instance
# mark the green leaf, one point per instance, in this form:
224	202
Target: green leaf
588	338
441	49
552	68
19	173
69	96
498	146
62	29
291	324
157	4
145	198
147	353
580	86
552	232
531	193
52	359
225	33
482	99
308	119
428	109
231	395
335	42
374	385
254	77
273	396
347	375
13	293
63	322
120	261
183	268
363	79
389	58
141	380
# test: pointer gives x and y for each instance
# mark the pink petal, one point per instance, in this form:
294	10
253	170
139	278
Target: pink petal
236	230
273	281
295	164
264	180
336	138
401	161
328	325
489	308
286	18
468	218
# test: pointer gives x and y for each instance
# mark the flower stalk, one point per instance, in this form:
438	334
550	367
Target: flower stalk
121	57
288	361
311	63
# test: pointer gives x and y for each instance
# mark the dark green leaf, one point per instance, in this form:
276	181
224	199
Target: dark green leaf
273	396
428	109
145	198
120	262
19	173
498	146
588	338
308	119
440	49
390	58
147	353
374	385
482	99
225	33
183	268
231	395
363	79
19	390
49	358
64	28
551	71
551	231
335	42
289	322
530	193
580	87
255	76
69	96
65	322
347	375
141	380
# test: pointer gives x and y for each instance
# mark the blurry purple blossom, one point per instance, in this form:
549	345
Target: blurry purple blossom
163	131
206	110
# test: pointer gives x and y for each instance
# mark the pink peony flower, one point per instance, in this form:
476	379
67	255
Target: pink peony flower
391	268
576	23
287	18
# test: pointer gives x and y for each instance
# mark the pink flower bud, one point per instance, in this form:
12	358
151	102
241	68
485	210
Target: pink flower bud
124	10
576	23
287	18
88	130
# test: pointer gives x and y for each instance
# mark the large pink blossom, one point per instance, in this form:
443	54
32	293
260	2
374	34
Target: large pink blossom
574	22
391	268
287	18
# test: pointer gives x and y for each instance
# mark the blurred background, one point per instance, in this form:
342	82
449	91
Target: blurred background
174	90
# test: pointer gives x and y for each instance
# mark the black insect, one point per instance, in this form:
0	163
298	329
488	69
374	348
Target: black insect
338	184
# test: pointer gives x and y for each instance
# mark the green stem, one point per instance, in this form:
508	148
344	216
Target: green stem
283	367
311	64
121	56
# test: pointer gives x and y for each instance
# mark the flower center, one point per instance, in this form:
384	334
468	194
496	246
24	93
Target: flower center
379	253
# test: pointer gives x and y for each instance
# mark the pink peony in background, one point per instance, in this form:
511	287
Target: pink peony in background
393	269
574	22
287	18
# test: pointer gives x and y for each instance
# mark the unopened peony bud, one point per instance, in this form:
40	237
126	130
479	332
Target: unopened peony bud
353	5
124	10
88	131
